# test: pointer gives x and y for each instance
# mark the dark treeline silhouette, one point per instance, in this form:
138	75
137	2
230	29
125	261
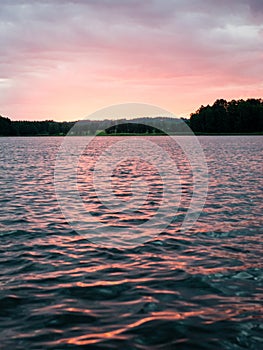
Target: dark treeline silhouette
157	125
143	125
133	128
6	127
33	128
236	116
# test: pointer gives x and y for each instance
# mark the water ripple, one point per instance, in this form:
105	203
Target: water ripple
201	289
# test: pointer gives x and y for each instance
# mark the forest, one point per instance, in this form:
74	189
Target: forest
236	116
223	117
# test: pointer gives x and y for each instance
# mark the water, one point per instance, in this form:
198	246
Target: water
200	289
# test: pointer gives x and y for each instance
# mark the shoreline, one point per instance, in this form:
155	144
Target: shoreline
137	134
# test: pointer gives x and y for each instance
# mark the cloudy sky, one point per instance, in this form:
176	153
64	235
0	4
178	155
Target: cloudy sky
64	59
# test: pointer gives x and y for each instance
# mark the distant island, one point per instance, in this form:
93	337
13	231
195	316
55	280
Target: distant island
233	117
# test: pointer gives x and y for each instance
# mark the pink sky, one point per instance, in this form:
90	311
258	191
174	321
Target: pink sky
64	60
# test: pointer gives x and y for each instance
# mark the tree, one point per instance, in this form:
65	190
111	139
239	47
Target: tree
6	127
236	116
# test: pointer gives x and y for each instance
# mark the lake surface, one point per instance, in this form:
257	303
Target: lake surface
196	289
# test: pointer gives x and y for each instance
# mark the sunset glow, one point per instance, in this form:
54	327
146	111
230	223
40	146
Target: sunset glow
64	60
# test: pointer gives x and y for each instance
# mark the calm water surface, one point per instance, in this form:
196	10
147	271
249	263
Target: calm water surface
201	289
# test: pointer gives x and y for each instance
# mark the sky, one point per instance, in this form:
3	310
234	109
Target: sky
65	59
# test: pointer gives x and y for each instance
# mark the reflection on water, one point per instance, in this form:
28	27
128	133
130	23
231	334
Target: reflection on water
200	289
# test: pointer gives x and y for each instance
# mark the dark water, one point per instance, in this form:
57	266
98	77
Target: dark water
201	289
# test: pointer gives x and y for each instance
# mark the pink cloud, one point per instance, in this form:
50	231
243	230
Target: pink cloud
65	59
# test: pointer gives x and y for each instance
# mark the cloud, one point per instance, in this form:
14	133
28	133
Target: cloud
256	5
141	45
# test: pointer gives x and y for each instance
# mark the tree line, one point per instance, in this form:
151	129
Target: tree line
91	127
236	116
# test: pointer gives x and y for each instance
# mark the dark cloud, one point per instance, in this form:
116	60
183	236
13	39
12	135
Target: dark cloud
69	25
256	5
